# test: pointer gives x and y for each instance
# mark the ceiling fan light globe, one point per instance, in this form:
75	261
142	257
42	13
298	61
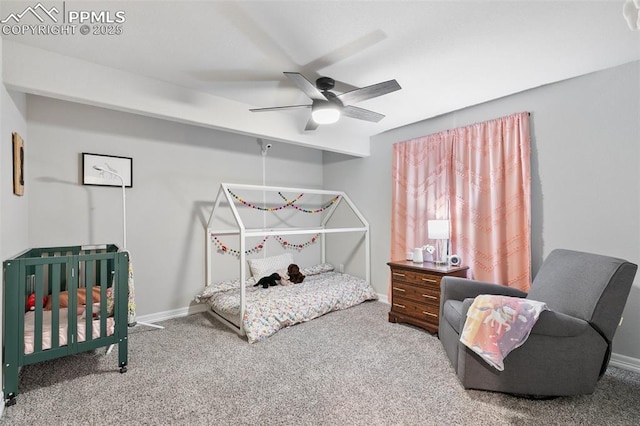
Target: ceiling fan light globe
325	114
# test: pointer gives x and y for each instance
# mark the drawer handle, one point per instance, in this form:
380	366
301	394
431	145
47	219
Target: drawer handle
397	274
399	306
399	289
430	314
429	280
428	296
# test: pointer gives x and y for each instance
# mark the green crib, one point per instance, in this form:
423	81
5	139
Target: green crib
43	314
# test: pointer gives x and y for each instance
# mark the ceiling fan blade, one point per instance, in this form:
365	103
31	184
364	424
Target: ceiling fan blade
369	92
279	108
305	85
361	113
311	125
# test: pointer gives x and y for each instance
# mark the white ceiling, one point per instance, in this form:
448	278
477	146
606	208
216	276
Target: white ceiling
446	55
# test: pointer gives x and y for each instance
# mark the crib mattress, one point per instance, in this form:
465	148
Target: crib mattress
81	336
271	309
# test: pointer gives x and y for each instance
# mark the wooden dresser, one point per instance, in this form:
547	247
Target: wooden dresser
415	295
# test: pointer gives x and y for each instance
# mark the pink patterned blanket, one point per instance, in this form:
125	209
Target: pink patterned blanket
496	325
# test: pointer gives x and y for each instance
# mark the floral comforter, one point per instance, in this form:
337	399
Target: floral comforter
268	310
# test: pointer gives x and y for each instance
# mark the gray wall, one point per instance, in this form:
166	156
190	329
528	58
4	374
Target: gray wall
177	170
14	222
584	162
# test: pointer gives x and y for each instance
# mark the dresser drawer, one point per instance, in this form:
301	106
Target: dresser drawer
424	294
415	277
415	292
425	312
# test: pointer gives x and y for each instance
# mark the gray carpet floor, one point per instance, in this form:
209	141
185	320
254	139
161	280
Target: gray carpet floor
351	367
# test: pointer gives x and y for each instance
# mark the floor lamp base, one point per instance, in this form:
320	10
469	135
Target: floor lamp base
135	324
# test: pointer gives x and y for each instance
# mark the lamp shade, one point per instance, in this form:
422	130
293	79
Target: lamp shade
438	229
325	112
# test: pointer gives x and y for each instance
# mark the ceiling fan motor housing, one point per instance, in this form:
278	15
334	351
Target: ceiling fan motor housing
325	83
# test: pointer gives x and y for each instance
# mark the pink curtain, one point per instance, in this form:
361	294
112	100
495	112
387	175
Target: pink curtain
478	176
421	172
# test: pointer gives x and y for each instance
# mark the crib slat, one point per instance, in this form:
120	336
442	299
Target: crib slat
37	341
72	309
103	298
55	293
89	280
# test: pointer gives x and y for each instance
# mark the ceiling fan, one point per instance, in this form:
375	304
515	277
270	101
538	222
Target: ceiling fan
327	107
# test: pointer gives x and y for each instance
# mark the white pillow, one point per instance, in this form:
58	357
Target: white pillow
317	269
267	266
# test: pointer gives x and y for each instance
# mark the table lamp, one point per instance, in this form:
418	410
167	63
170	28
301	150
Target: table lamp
439	230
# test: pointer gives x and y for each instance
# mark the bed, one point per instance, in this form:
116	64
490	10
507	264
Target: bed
260	312
269	310
61	301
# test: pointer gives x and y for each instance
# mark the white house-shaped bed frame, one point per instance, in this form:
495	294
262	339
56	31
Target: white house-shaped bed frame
244	232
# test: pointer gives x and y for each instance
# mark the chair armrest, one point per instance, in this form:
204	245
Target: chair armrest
557	324
457	288
550	323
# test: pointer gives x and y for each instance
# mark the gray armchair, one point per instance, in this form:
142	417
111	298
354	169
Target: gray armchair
569	347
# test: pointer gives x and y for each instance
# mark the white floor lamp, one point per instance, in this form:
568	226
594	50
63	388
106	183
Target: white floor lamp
124	226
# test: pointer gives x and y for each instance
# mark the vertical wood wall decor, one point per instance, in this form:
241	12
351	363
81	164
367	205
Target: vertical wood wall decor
18	164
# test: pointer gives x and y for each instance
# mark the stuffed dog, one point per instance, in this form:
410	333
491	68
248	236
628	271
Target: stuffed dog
271	280
295	276
291	276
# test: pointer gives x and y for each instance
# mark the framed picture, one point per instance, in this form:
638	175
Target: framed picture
18	164
106	170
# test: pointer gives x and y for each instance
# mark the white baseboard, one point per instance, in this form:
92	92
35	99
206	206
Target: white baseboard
625	362
383	298
176	313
